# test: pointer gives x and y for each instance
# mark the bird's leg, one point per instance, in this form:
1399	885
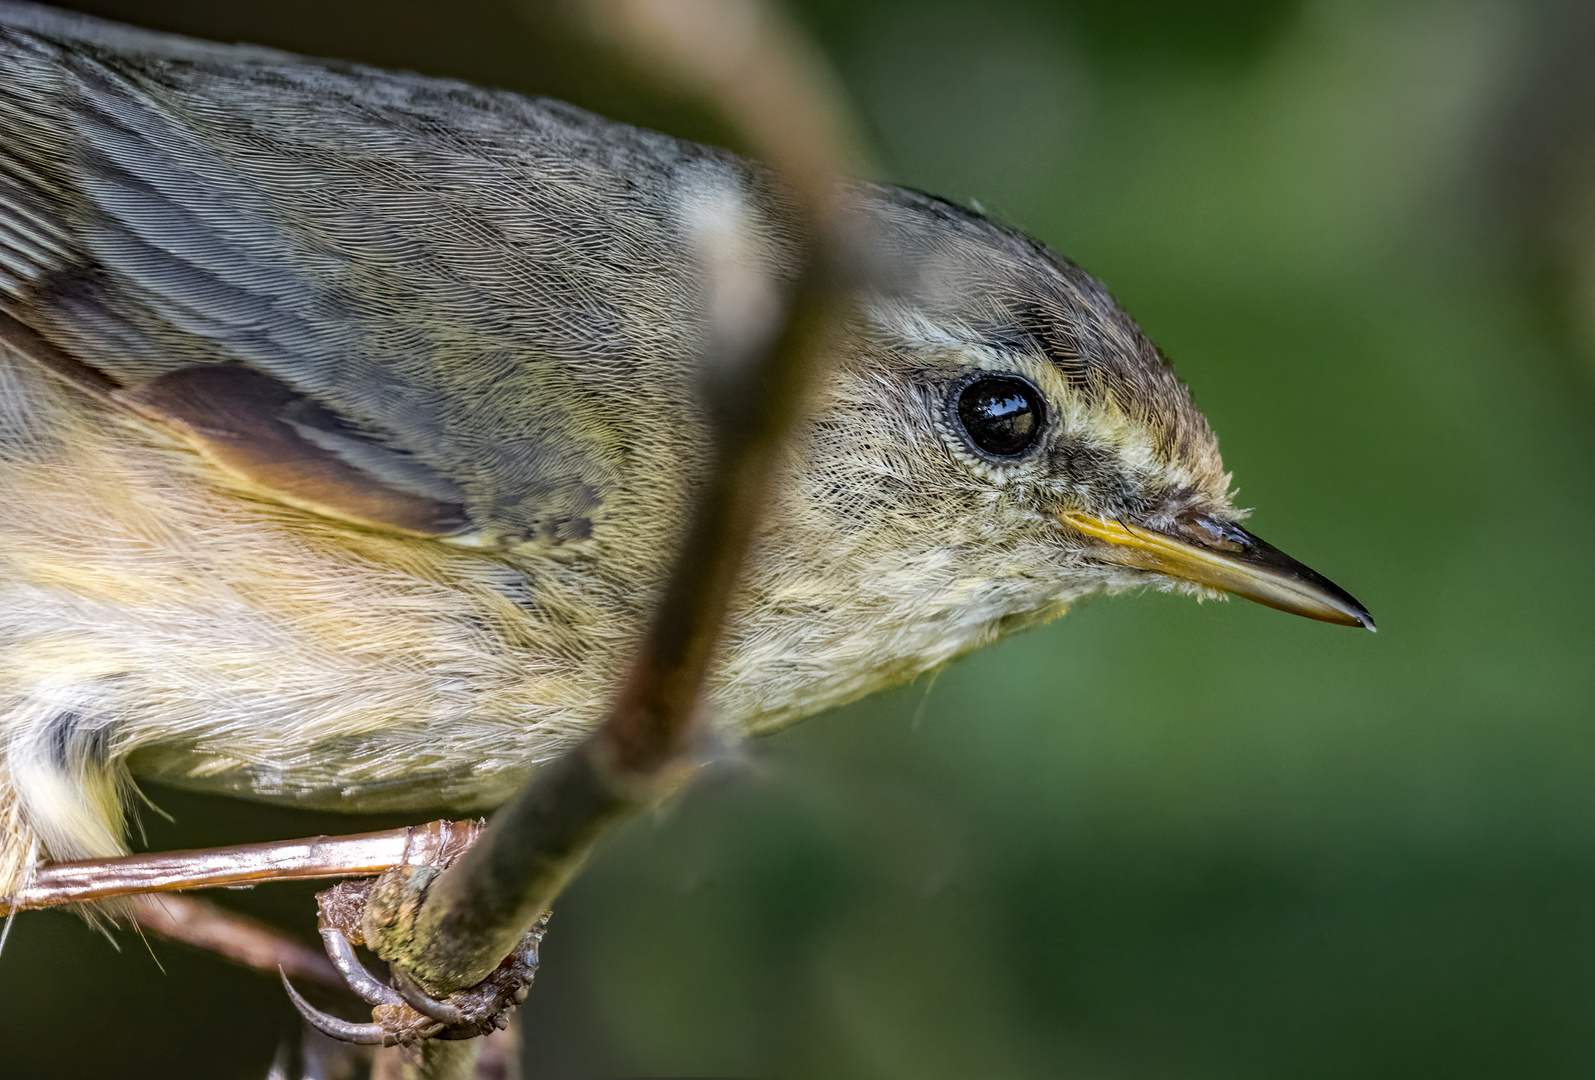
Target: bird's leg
402	1012
436	843
406	860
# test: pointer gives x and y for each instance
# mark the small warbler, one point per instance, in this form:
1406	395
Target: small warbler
348	425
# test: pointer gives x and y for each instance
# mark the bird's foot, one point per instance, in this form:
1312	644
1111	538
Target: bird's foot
402	1013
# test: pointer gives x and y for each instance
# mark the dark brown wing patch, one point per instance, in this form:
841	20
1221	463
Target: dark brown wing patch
264	432
25	340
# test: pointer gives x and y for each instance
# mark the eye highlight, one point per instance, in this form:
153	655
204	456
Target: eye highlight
1001	414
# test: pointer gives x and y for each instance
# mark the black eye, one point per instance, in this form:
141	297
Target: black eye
1002	414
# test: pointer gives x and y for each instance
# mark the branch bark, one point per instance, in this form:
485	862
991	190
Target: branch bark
745	60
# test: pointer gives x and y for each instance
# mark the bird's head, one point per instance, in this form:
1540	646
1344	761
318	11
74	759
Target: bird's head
1002	439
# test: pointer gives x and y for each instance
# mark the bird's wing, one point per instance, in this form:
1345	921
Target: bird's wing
403	301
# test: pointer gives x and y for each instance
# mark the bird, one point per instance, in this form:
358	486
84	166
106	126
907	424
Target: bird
349	422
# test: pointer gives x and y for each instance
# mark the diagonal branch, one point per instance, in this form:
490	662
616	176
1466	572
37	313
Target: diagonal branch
239	938
743	60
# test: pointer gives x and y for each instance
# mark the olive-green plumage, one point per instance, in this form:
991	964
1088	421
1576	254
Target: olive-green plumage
348	425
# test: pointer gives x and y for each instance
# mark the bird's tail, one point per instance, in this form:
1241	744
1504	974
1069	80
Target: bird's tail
63	790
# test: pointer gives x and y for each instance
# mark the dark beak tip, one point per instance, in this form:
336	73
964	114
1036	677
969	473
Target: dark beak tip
1350	612
1263	554
1348	605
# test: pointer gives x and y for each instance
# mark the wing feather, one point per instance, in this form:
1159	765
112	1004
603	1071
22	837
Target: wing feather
483	291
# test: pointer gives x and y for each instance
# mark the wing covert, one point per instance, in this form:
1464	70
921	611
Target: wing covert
370	243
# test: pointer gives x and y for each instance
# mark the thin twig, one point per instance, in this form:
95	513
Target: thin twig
740	56
239	938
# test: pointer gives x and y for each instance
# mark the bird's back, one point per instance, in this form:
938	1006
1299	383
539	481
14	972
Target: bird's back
369	239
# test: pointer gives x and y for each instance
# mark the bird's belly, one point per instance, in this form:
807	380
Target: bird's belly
216	641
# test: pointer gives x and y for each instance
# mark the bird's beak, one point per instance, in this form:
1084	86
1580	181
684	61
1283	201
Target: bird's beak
1222	555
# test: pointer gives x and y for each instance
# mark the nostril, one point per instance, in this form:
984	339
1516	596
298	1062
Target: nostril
1213	534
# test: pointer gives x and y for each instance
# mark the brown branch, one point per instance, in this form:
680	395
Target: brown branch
748	62
430	1060
239	938
740	56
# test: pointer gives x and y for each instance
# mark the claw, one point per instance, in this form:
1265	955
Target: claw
403	1013
361	981
427	1006
331	1026
373	992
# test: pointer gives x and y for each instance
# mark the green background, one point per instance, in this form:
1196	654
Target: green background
1157	839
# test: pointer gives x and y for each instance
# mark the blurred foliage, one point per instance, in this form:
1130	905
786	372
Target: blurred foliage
1157	839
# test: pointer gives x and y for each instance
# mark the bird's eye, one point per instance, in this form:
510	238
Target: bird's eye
1002	414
